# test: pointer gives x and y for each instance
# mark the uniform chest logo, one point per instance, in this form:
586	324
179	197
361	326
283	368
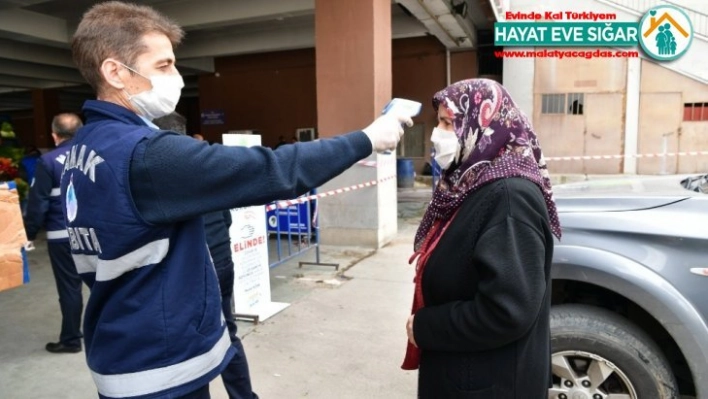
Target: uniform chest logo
72	205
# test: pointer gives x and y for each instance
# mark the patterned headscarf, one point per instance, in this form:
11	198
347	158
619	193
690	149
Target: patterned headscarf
497	142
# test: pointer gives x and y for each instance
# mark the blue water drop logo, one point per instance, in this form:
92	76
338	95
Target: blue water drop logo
72	205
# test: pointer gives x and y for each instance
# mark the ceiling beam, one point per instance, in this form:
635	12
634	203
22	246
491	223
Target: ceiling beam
196	65
35	53
468	27
34	27
213	13
16	82
19	3
258	42
4	90
403	26
292	38
439	20
36	71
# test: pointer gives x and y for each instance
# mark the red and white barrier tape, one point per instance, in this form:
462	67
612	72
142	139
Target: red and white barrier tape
656	155
302	200
373	164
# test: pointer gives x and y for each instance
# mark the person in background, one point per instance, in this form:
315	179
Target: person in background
236	376
44	211
281	141
173	122
480	323
133	197
28	164
198	136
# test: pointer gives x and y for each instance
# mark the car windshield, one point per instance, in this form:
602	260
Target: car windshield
698	184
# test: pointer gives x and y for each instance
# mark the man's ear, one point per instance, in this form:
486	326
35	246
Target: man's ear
55	137
110	69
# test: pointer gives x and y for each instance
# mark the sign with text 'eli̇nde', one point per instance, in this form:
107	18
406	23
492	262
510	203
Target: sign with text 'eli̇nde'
249	251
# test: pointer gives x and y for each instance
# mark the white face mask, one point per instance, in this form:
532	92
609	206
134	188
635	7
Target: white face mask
162	99
447	147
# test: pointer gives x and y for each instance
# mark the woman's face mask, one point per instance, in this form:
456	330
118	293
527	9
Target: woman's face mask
162	99
447	147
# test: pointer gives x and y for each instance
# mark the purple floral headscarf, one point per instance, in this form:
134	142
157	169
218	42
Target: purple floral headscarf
497	142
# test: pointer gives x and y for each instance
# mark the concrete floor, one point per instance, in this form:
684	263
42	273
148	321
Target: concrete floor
343	338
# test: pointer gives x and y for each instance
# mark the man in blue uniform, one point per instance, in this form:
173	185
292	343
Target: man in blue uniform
44	210
133	197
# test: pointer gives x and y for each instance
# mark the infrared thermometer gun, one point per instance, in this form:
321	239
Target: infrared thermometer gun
402	106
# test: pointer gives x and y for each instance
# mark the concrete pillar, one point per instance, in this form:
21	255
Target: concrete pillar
353	55
45	104
519	80
631	121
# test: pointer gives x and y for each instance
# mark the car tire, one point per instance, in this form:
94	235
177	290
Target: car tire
592	341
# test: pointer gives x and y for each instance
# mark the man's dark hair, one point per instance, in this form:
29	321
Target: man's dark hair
65	125
173	122
115	30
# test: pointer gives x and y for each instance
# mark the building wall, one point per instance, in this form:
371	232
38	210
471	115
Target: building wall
189	108
23	125
518	78
271	92
275	93
599	130
662	99
463	65
419	71
33	125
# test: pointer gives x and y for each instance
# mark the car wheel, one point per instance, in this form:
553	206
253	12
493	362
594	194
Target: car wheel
597	354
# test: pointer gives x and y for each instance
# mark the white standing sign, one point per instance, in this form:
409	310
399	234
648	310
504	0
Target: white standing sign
249	251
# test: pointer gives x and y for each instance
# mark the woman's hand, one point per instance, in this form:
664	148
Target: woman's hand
409	330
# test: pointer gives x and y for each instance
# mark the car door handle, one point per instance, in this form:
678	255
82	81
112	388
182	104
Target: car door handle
701	271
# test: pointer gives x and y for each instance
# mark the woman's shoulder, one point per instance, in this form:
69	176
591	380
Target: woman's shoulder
519	187
508	188
509	197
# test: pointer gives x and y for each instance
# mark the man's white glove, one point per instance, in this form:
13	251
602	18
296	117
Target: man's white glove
29	246
386	131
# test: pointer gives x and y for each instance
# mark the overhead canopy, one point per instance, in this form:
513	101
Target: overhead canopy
35	35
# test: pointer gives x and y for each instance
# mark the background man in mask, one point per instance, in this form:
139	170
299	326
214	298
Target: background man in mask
236	375
132	197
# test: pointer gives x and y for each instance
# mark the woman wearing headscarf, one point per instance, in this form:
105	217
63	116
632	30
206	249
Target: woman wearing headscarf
479	327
